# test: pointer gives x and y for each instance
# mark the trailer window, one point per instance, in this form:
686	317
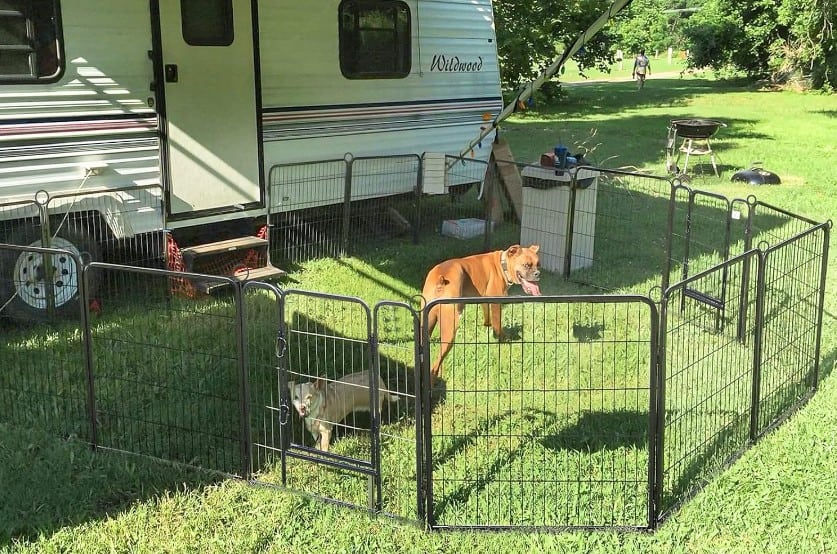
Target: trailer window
207	22
30	41
375	39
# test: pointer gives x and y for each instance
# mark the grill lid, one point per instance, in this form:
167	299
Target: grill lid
696	128
757	176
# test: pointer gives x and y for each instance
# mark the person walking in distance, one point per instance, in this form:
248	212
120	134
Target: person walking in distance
642	67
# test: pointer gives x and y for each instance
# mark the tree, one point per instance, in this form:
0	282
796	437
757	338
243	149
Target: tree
766	38
646	24
811	47
530	35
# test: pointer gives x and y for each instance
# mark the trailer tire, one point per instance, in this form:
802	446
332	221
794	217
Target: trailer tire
23	290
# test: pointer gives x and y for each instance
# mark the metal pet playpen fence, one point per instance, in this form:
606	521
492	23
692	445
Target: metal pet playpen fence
601	410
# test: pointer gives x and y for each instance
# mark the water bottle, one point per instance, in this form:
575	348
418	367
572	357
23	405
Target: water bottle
561	157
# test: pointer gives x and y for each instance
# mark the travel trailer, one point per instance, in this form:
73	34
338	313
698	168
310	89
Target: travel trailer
128	117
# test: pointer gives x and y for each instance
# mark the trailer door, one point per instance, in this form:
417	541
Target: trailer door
209	97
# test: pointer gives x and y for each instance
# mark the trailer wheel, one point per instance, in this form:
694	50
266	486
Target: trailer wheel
24	283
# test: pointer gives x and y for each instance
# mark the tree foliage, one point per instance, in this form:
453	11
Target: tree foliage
530	35
811	45
738	34
645	24
765	38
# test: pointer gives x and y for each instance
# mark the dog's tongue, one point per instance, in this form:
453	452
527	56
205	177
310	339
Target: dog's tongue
530	287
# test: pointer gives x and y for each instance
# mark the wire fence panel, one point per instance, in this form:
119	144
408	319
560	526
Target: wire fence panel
327	209
771	225
705	237
126	224
17	220
122	226
709	351
305	210
794	273
35	286
460	210
167	373
43	381
378	176
264	344
398	364
333	208
551	429
594	411
333	429
464	173
381	200
625	231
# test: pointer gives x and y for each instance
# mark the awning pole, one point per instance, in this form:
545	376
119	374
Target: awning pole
553	68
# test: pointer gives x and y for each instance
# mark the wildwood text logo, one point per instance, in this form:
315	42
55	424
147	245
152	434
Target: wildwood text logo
454	64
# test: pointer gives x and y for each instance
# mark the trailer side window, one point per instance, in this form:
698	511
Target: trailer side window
207	22
375	39
30	41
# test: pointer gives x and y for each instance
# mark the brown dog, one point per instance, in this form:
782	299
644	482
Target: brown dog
489	274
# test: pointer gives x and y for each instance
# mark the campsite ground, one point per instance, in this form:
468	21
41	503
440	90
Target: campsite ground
57	496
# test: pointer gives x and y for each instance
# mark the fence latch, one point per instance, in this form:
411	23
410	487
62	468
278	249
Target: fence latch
281	345
284	412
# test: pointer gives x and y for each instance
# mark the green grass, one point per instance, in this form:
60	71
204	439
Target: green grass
659	66
57	496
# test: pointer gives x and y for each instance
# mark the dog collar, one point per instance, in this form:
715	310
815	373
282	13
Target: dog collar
504	262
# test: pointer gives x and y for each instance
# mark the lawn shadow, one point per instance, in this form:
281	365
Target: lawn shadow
591	432
462	441
597	431
688	473
50	483
827	364
601	118
829	113
616	97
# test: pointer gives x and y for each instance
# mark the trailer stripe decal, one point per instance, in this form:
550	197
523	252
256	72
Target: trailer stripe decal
76	126
295	122
367	110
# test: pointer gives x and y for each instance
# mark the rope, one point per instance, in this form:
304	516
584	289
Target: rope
179	286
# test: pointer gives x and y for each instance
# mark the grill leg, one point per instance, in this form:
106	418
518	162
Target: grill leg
688	144
712	158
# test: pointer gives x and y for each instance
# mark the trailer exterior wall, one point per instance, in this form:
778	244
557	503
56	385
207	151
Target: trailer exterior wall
103	112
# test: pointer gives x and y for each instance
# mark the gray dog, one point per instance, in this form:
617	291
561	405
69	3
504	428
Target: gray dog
322	404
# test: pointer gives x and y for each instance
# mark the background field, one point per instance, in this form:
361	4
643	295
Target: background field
56	496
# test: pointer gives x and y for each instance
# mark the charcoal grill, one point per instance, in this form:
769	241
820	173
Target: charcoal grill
695	134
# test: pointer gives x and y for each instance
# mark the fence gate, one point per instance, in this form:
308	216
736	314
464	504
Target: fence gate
326	371
553	428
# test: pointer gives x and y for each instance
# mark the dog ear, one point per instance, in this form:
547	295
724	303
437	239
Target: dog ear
534	248
318	383
291	386
513	250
